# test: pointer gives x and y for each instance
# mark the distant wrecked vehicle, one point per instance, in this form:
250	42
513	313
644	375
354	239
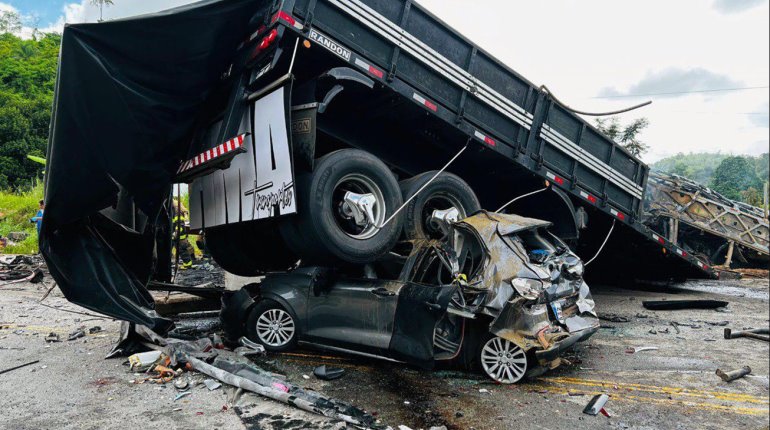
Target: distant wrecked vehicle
499	293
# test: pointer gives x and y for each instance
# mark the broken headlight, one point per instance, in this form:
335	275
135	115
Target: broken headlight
573	267
530	289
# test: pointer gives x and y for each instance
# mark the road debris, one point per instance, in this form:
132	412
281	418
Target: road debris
635	349
52	337
733	374
614	318
19	366
212	384
77	334
596	405
328	373
181	395
143	361
676	305
758	334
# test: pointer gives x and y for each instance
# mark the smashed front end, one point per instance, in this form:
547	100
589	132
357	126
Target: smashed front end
526	281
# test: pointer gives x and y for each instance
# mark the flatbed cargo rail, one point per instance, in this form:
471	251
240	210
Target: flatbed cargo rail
402	46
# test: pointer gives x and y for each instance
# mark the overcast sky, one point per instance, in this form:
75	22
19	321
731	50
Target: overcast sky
597	55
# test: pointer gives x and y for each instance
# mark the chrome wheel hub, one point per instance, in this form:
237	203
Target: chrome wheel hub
503	361
275	327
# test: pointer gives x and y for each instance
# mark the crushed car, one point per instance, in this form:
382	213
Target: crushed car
498	293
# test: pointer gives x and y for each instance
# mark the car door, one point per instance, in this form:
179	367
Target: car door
355	314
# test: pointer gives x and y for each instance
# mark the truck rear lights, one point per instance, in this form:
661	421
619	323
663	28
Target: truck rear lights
265	43
287	18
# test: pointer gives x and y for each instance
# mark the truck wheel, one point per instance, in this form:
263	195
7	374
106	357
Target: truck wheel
249	249
446	192
272	326
330	227
502	360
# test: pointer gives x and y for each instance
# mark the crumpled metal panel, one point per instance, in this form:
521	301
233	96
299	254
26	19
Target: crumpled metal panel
679	198
527	323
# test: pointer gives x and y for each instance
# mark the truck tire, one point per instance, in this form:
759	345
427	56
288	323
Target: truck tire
447	191
322	232
249	249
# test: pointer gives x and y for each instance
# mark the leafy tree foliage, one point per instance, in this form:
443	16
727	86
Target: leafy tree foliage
627	136
735	177
10	22
699	167
27	79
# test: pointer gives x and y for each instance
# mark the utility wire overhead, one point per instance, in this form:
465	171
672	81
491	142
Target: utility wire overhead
717	90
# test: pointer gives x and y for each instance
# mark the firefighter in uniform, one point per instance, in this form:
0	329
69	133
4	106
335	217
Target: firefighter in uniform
185	249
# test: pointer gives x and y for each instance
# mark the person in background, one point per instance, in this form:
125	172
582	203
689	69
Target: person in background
38	218
179	235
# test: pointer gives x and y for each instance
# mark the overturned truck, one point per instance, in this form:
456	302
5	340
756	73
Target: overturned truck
318	133
707	224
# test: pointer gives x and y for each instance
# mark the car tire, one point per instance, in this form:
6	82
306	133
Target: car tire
272	326
448	190
508	368
249	249
321	233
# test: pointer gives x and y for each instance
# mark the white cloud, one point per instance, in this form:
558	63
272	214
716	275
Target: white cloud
675	82
736	6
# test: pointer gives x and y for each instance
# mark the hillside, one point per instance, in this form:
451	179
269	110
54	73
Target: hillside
739	178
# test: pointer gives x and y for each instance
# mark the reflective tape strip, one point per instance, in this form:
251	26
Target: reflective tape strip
559	180
681	252
617	214
211	154
659	239
433	59
588	197
484	138
369	68
425	102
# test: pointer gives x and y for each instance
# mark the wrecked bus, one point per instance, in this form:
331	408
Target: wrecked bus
322	131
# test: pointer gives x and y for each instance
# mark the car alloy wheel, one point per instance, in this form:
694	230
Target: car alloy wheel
503	361
275	327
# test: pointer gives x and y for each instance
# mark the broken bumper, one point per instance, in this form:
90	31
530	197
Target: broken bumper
565	344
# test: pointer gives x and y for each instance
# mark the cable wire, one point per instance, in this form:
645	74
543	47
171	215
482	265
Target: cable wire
617	112
601	248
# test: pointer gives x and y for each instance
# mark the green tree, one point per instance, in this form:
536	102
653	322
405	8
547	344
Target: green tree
27	79
10	22
733	176
627	136
101	4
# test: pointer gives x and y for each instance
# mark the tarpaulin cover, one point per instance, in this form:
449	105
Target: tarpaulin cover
127	96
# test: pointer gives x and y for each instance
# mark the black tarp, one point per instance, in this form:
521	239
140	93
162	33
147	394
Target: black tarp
127	95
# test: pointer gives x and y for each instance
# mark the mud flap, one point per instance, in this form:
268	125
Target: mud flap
419	309
259	184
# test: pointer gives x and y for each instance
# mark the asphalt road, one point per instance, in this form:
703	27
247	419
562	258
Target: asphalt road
673	387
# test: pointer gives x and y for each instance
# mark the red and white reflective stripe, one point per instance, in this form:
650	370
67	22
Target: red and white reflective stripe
588	197
425	102
659	239
703	266
554	178
619	215
225	148
484	138
369	68
285	17
681	252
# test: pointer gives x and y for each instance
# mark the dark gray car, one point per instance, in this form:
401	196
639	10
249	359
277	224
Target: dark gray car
499	293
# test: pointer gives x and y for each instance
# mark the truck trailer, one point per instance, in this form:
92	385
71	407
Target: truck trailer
315	133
